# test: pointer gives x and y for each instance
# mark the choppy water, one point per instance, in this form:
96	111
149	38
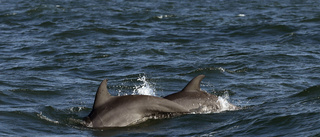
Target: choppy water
263	54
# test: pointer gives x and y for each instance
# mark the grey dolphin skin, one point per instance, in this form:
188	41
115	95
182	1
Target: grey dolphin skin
196	100
120	111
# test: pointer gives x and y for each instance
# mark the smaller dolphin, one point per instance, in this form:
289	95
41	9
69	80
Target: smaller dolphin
120	111
195	100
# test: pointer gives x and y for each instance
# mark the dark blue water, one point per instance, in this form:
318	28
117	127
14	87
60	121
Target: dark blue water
263	54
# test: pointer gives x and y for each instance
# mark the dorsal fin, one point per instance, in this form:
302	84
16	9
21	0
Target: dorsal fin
102	94
193	85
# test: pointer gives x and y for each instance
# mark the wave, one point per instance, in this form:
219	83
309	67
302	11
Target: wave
313	91
41	116
217	70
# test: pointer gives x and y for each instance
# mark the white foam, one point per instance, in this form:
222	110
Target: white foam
164	16
120	93
221	69
76	109
241	15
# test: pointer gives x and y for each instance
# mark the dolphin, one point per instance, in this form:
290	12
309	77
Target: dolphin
195	100
120	111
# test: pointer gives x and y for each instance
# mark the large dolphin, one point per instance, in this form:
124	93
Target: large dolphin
120	111
195	100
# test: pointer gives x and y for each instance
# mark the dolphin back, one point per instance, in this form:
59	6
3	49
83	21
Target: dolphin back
120	111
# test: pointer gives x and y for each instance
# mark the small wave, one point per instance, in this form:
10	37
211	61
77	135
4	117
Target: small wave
218	70
41	116
77	123
313	91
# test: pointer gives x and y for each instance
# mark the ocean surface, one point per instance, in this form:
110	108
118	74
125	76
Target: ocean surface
261	55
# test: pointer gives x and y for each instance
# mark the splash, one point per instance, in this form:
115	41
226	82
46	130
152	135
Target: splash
145	88
215	106
225	105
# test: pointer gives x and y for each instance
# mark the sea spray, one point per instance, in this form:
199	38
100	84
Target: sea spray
225	105
145	88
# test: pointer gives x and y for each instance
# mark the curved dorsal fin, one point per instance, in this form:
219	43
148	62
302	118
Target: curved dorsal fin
102	94
193	85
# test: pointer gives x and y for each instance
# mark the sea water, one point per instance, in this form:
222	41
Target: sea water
263	54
